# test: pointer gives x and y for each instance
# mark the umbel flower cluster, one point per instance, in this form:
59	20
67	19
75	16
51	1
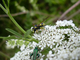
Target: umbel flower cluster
58	42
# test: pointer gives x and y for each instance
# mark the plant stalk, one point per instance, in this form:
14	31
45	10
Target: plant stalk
2	54
13	20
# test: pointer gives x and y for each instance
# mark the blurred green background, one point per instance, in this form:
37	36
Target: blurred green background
30	12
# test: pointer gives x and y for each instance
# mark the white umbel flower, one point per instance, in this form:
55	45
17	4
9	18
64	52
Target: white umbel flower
22	47
55	43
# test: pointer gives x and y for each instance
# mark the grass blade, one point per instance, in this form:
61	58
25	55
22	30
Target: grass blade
14	32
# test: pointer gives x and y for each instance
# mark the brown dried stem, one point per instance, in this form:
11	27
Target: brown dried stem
72	7
16	14
21	13
73	14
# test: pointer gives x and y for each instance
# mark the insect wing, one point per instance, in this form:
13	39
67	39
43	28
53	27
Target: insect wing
34	55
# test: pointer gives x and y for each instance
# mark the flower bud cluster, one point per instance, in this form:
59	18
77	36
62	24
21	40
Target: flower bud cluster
12	43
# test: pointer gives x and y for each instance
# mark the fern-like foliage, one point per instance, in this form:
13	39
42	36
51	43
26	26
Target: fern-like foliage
14	32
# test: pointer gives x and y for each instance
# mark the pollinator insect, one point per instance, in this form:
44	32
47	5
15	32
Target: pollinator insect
37	27
35	54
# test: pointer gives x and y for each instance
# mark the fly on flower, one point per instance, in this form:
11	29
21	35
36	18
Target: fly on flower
38	27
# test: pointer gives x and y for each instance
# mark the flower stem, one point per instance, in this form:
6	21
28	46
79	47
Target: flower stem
13	20
1	53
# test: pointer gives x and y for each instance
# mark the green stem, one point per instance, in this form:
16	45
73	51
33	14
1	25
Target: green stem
2	54
2	37
13	20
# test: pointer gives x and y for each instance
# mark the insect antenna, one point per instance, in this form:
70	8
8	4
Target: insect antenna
45	19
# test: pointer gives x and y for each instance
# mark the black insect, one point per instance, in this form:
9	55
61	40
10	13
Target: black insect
40	26
37	27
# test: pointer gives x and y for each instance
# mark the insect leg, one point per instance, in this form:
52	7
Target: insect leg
31	55
38	55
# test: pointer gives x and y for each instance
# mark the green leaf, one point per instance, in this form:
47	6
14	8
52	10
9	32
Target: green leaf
8	38
28	32
14	32
3	9
5	5
8	1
